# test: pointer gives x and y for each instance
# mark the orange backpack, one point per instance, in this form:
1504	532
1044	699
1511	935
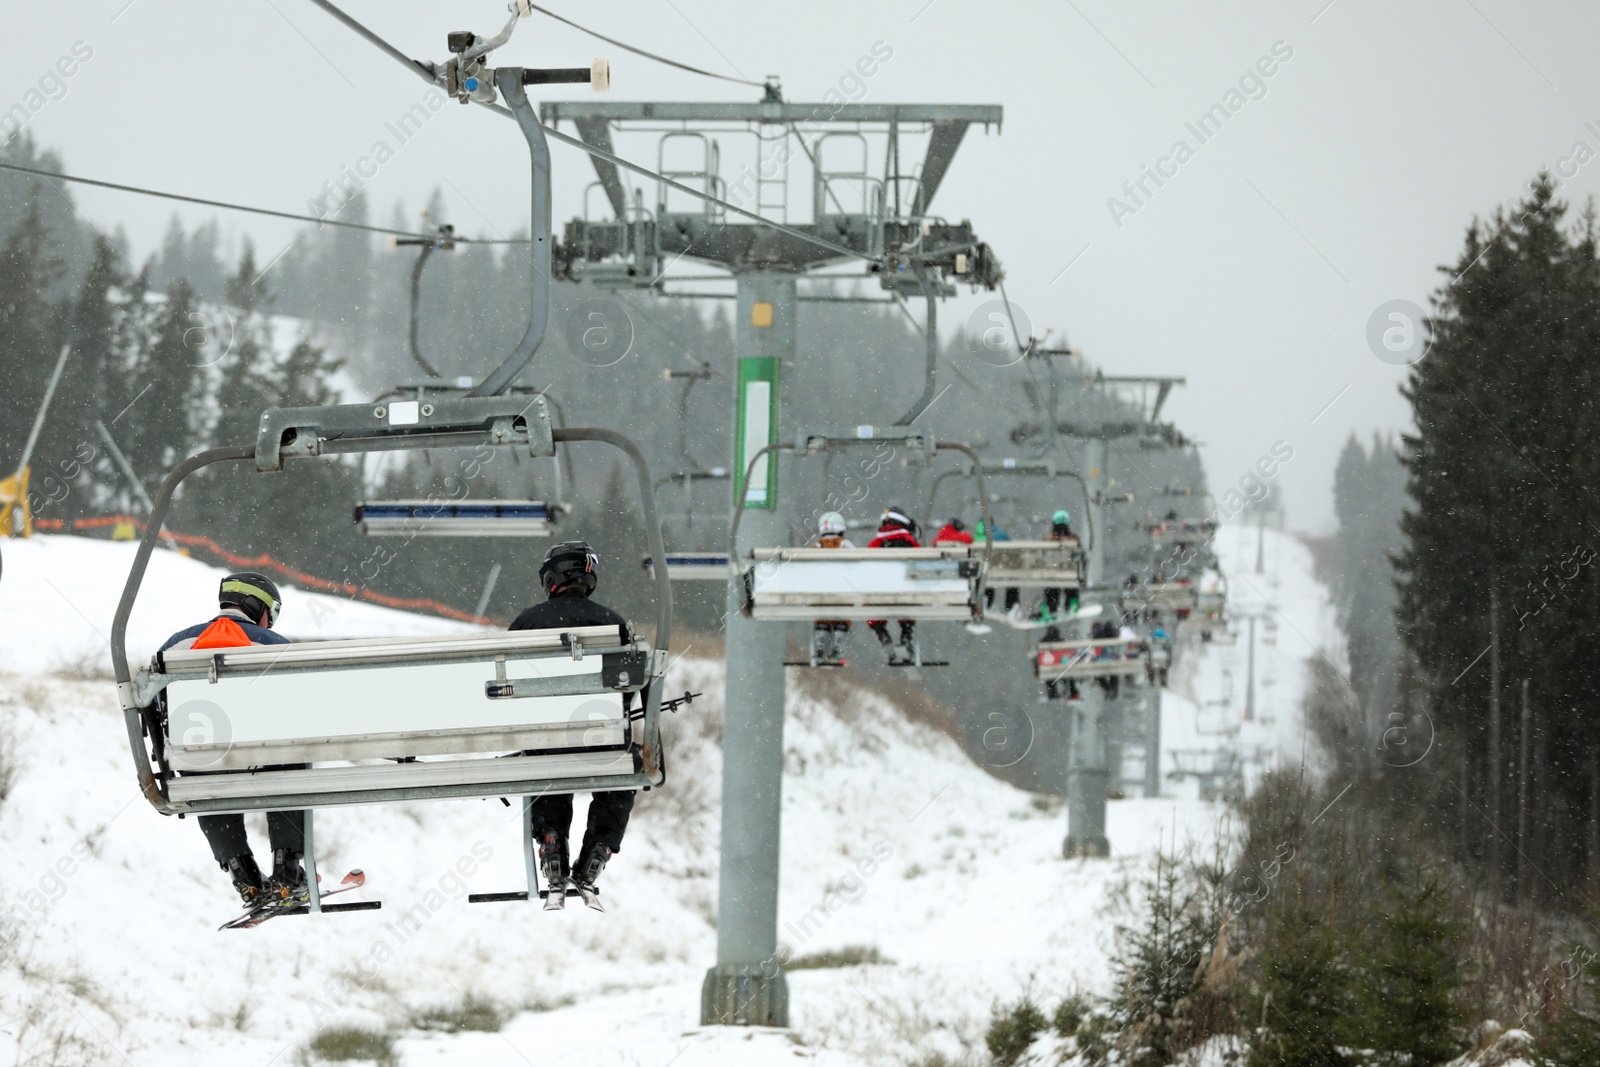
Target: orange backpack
222	633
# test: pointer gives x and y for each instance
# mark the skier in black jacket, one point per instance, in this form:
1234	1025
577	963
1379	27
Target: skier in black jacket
569	574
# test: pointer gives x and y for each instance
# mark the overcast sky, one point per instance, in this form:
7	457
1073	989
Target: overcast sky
1338	183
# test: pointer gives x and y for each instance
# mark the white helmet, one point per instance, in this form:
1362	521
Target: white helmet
830	524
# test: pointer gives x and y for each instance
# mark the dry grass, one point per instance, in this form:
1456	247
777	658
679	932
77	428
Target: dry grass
88	665
345	1043
10	762
845	956
472	1013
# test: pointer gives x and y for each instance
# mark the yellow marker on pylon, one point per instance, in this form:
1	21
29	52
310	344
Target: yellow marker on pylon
16	518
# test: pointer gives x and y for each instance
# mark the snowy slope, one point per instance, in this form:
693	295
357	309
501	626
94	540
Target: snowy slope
893	840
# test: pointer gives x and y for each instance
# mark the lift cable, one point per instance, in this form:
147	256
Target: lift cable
648	55
425	72
246	208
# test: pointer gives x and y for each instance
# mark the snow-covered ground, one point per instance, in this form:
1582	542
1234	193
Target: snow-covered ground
893	841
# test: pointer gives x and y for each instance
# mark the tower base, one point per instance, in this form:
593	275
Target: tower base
732	996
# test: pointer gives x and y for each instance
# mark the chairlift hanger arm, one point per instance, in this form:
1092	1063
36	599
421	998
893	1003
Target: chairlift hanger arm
931	343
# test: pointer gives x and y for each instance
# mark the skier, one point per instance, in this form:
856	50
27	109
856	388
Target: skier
1060	530
250	604
569	573
980	533
1159	644
954	532
896	530
1054	684
827	634
1108	630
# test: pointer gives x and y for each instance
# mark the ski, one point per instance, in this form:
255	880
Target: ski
591	897
1017	621
295	905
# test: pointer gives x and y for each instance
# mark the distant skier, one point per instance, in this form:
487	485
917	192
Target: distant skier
827	635
981	533
1160	654
569	574
953	532
1106	630
896	530
250	605
1054	683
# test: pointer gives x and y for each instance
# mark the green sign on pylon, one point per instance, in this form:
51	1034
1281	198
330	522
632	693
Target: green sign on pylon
757	427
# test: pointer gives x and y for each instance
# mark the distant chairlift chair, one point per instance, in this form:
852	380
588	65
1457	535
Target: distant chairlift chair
783	584
1020	571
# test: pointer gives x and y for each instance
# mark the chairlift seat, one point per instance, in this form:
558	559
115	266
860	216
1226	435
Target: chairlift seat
1035	564
1161	596
450	518
860	583
1095	657
693	566
443	706
1175	533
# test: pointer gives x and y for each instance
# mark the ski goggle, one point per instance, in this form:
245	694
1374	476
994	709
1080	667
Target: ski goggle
236	586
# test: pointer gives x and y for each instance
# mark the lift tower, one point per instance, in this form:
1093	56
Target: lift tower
880	215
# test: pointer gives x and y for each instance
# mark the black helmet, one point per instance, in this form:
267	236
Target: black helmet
570	563
255	593
956	523
894	517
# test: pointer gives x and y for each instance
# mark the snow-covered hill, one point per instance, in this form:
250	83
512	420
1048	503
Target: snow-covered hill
894	844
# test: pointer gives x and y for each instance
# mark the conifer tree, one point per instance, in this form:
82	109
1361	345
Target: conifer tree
30	326
1500	472
170	406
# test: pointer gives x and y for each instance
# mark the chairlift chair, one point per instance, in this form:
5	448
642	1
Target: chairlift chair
1094	657
1177	596
1022	570
692	566
1181	532
444	518
784	584
400	719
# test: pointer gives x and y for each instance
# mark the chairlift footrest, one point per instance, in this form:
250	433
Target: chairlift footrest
497	898
519	895
354	905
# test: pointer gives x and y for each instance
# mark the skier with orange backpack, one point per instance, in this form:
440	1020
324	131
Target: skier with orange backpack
250	604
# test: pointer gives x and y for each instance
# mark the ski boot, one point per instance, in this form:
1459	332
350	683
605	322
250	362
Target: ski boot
592	860
821	646
553	867
247	879
908	642
882	630
287	886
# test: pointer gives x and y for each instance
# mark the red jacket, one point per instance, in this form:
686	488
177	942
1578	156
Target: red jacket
893	537
952	535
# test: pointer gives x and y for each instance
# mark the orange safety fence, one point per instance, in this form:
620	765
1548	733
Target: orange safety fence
263	563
